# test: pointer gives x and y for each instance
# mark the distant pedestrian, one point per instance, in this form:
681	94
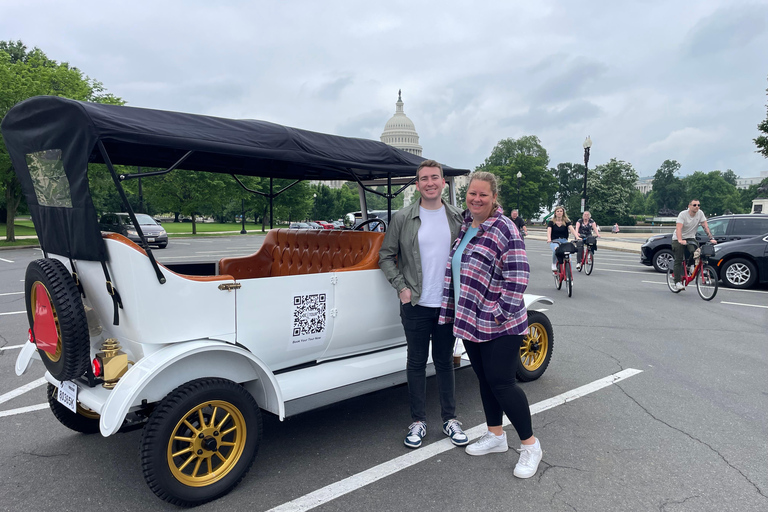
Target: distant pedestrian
615	228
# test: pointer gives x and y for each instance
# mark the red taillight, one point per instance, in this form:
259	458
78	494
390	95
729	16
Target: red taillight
96	367
31	337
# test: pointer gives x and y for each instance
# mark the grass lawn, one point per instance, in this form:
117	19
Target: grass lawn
175	228
23	228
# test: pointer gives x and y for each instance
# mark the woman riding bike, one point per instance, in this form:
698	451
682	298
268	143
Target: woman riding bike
585	226
557	233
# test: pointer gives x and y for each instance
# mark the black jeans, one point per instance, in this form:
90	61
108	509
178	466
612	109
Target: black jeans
420	325
495	364
681	252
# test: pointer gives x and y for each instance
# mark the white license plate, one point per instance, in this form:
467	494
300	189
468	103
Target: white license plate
150	239
68	395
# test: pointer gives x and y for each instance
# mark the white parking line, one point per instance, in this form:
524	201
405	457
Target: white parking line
740	304
5	260
624	271
721	288
13	313
354	482
23	389
22	410
12	347
11	293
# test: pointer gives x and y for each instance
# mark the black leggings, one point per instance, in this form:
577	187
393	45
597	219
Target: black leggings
495	364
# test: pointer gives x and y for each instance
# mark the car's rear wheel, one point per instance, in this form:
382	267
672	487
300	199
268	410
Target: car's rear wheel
84	420
536	350
663	259
739	273
200	441
57	318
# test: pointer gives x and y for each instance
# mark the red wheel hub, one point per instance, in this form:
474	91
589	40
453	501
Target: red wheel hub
46	333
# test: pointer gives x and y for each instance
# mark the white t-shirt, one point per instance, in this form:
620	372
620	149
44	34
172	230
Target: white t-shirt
689	224
434	248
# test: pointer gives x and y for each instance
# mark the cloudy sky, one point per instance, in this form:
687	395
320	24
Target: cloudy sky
647	80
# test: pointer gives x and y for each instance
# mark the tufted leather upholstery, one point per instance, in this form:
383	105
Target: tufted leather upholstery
287	252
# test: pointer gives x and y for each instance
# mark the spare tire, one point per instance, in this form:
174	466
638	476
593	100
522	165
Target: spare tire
57	319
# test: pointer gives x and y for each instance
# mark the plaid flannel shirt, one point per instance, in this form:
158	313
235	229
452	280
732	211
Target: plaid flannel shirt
494	275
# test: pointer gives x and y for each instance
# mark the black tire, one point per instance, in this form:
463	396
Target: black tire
671	281
162	246
163	458
84	421
663	259
568	278
537	347
706	282
71	357
590	264
739	273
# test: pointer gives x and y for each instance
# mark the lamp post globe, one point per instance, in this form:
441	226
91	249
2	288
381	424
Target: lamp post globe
519	175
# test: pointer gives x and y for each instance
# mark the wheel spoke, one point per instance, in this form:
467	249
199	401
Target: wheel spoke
190	427
186	462
201	418
213	416
184	439
210	466
188	449
229	430
197	467
226	443
221	423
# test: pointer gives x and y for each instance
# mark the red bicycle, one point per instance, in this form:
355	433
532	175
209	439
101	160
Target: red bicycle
563	272
588	254
704	275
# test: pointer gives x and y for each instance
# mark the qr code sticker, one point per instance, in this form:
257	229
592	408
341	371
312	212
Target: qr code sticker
308	314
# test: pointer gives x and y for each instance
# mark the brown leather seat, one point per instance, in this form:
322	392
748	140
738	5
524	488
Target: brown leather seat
288	252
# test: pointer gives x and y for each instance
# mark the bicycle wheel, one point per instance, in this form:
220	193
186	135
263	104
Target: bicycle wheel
589	265
558	281
671	281
568	278
706	282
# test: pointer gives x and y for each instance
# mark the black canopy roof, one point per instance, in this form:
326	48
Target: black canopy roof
55	138
156	138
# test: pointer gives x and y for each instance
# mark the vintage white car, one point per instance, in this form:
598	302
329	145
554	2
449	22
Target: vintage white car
285	330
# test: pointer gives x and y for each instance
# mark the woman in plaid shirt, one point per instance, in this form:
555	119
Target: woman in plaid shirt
485	278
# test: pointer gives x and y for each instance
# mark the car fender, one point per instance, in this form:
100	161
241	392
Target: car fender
24	359
159	373
531	300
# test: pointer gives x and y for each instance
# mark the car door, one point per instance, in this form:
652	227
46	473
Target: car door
748	227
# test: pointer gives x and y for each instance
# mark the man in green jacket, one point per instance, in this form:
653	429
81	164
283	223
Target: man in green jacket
413	256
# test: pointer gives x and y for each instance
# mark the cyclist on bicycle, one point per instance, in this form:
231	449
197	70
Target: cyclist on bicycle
557	233
585	226
519	222
685	233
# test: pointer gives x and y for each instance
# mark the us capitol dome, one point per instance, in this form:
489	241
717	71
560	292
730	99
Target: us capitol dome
400	131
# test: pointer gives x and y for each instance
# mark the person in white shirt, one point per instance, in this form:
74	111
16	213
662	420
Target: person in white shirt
685	232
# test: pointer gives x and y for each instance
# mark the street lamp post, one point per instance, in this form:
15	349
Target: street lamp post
519	175
242	218
587	144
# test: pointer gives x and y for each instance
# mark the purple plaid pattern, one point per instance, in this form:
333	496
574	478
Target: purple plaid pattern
494	275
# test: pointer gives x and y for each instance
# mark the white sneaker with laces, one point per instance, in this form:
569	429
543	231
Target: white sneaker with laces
530	456
416	432
489	443
452	428
679	286
578	266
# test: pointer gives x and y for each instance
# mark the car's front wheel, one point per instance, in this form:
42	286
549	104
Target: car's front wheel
536	350
739	273
663	259
200	441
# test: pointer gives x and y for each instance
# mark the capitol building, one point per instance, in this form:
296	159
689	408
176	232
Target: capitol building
400	131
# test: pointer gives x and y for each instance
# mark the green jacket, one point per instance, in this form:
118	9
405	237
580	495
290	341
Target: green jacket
399	256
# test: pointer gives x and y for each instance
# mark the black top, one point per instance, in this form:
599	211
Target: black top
52	140
519	222
586	229
559	231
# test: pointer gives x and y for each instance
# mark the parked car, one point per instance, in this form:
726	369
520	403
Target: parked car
324	224
299	225
742	263
122	223
314	225
285	330
657	249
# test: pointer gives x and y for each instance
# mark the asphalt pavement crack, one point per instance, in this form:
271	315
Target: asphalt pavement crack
619	363
554	497
554	466
663	506
757	488
46	455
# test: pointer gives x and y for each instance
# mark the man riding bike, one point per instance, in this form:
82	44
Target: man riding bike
585	226
685	232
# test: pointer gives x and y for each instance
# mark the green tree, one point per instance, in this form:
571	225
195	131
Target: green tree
730	177
716	195
24	74
668	189
570	185
538	184
762	140
610	189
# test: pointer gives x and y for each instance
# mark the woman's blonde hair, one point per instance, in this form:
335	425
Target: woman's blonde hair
491	179
565	215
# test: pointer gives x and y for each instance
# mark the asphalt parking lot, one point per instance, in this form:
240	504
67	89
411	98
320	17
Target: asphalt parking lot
653	401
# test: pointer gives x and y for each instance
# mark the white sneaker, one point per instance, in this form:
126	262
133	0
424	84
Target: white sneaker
530	456
578	266
489	443
554	267
679	286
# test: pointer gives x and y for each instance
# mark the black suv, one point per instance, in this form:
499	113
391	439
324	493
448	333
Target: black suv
121	223
657	250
